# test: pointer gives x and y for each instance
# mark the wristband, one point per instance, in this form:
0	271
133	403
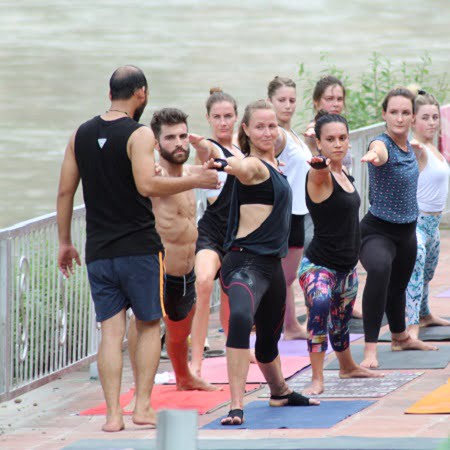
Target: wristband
223	163
319	165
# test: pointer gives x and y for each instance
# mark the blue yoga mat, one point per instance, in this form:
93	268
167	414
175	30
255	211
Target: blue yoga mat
258	415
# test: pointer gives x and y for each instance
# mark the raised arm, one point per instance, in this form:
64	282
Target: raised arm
377	154
141	153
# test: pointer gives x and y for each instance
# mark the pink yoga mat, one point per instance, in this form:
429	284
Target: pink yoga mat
214	370
298	347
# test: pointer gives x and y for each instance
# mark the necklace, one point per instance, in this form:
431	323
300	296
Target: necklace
118	110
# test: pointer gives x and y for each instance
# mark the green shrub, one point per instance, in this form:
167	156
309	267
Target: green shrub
364	96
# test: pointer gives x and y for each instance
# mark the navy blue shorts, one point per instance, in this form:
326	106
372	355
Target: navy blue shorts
135	282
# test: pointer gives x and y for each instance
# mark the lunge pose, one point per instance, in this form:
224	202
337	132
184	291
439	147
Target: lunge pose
388	230
221	113
251	273
327	274
176	224
294	154
432	194
113	156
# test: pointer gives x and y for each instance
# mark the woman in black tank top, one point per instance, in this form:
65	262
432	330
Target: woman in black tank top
251	273
327	274
221	113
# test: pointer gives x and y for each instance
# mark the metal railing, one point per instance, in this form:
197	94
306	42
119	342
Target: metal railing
47	324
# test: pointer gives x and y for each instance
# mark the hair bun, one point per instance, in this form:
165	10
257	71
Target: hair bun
213	90
320	114
415	89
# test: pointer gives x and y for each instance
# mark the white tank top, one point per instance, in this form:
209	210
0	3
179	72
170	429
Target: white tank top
432	188
222	178
294	156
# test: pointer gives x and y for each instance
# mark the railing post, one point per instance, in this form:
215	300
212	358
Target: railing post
184	422
5	316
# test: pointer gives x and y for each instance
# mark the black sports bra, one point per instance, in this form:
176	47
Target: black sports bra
262	193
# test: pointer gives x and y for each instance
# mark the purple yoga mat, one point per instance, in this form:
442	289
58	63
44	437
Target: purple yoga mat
298	347
444	294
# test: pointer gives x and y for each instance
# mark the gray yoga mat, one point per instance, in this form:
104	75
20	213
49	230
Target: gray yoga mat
336	387
334	443
356	325
425	334
408	359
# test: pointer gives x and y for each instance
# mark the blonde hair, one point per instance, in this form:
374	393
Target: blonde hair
243	139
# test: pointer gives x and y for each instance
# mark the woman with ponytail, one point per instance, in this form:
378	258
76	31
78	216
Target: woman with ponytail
432	191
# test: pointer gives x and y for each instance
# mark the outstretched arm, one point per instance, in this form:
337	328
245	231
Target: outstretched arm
204	149
377	154
247	170
141	153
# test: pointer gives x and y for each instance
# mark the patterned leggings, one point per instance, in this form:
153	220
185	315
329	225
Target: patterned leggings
328	293
428	248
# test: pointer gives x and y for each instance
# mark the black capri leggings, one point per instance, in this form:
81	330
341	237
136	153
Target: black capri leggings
256	290
388	253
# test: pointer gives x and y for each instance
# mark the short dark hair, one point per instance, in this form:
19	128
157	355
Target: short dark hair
323	117
125	81
167	116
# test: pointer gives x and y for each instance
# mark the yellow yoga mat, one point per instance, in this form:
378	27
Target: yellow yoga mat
437	402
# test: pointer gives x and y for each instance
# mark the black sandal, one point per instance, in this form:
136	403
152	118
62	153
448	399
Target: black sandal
239	413
293	399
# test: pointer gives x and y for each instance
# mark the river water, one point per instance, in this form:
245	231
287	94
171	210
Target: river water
57	56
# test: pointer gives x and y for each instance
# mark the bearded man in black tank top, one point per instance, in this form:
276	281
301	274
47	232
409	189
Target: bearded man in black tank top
113	156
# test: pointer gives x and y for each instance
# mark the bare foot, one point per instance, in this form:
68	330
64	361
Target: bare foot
356	314
411	344
413	331
145	417
252	356
196	370
113	424
295	332
434	321
359	372
194	383
370	360
315	388
129	408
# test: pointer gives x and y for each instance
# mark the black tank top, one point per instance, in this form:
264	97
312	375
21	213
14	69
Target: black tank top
261	193
337	237
119	221
271	237
215	219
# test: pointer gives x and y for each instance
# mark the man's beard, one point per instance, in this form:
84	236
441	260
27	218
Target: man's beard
138	113
170	157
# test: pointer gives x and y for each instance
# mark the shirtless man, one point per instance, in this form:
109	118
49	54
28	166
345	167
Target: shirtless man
176	224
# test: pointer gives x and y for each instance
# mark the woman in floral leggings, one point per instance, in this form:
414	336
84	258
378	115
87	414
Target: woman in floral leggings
327	273
432	193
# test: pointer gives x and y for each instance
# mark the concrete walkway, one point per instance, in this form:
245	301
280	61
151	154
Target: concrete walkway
46	418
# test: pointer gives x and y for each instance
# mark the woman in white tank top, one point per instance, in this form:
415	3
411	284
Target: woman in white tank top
294	153
432	194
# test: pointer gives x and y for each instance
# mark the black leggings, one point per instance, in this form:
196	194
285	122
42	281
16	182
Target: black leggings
388	253
256	289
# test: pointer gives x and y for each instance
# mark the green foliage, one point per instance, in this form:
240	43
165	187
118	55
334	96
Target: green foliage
365	95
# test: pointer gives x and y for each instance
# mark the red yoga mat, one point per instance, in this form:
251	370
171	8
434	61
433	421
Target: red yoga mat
167	397
214	370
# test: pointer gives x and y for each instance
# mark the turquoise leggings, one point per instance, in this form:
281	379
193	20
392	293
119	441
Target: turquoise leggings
428	247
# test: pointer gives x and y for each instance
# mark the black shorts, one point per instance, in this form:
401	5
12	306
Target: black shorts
208	239
297	234
179	296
